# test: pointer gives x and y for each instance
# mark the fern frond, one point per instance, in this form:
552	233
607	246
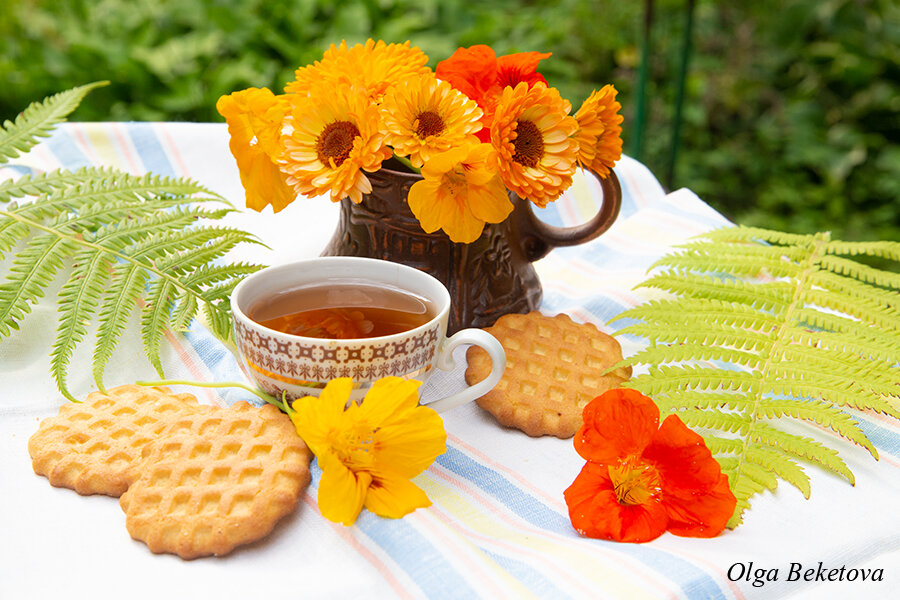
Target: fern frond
859	271
135	239
32	271
757	234
38	120
155	319
78	301
818	412
119	299
882	249
803	448
781	465
772	296
736	356
732	261
672	353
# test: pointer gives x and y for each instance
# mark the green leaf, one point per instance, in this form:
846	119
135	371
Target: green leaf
739	357
38	120
138	242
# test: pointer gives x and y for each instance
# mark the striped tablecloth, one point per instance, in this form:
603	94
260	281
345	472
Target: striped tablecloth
498	527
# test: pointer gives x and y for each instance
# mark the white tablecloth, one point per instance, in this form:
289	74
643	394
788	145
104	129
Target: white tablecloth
498	527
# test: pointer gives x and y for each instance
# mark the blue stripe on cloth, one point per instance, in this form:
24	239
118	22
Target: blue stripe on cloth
66	150
409	550
884	439
694	582
542	587
148	147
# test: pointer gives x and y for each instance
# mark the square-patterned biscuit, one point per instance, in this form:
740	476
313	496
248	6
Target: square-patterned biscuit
554	367
90	446
216	479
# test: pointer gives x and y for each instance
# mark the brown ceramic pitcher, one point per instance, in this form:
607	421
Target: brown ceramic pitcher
487	278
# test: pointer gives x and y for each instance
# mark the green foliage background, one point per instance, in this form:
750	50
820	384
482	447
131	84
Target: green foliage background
792	113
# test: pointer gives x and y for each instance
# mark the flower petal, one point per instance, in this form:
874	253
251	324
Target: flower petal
682	459
342	492
704	515
394	496
595	512
315	417
617	424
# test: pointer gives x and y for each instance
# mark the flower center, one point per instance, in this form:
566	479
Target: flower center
529	144
428	123
635	483
335	142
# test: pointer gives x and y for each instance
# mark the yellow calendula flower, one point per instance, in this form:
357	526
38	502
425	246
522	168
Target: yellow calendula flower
532	133
335	136
368	452
375	66
255	117
459	192
600	131
424	116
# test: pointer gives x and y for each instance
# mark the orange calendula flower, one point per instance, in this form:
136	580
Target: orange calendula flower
255	118
369	452
477	72
459	193
600	131
375	66
533	134
336	136
424	116
642	479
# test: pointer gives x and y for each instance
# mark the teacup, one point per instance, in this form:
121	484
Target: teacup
298	365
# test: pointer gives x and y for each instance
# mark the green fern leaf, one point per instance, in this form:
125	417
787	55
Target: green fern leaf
136	240
38	120
119	299
736	356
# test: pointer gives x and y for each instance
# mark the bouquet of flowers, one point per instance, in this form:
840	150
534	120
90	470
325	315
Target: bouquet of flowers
476	127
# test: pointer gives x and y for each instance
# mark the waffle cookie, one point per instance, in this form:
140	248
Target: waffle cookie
90	446
554	367
216	479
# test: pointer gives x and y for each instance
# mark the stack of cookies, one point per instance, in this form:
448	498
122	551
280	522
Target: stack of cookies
193	480
554	367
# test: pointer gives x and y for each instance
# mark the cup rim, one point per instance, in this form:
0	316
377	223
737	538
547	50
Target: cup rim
443	302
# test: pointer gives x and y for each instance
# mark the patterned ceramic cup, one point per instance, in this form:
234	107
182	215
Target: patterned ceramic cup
301	366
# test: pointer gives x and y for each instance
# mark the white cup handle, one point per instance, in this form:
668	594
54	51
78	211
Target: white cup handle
445	362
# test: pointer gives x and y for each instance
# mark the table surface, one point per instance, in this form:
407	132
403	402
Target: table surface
498	527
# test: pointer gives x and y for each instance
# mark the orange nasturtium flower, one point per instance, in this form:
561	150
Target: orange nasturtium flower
424	116
642	479
459	193
336	134
375	66
477	72
600	131
255	117
533	134
368	452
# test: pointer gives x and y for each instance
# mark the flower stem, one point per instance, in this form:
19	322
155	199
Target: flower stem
280	404
406	163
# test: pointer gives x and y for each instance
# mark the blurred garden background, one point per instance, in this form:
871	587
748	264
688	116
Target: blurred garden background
791	110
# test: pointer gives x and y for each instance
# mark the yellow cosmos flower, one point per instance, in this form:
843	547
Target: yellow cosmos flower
336	135
375	66
600	131
368	452
460	192
424	116
532	133
255	118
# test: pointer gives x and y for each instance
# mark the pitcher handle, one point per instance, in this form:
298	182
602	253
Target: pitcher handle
539	238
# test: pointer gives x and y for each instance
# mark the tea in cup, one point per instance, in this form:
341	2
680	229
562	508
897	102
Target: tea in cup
300	325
